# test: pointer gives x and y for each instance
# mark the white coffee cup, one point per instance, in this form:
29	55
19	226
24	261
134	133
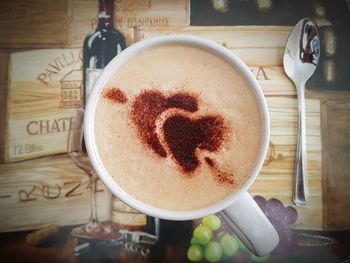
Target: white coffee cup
240	210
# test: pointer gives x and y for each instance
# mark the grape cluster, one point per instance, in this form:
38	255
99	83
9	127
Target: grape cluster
280	217
214	241
209	243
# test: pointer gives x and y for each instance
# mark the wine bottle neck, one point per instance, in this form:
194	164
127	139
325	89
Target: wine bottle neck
106	10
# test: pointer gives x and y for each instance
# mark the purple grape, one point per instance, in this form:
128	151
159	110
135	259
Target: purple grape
288	240
286	236
261	201
290	215
274	208
278	225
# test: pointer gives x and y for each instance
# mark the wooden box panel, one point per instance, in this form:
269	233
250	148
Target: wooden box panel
256	45
154	13
36	22
50	190
276	177
336	166
40	90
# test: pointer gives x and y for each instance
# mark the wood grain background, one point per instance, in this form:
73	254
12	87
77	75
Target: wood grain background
39	191
49	190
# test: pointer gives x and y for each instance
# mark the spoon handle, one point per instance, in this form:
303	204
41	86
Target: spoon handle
301	191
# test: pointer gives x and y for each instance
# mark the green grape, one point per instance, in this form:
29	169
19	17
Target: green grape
195	253
202	234
213	252
220	234
259	259
229	245
212	221
194	241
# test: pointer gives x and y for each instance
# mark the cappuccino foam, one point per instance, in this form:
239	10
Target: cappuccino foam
178	128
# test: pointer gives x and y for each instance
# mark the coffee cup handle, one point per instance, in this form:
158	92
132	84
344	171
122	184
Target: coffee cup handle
251	225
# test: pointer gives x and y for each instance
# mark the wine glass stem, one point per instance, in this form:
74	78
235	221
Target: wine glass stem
93	215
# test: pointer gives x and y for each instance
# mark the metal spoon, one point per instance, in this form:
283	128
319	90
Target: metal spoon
301	56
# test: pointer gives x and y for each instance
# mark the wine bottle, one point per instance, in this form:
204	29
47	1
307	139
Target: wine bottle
100	46
173	240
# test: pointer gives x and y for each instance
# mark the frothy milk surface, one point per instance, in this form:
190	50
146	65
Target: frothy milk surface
178	128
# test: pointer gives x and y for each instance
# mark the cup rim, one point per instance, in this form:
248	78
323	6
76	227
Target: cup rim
118	61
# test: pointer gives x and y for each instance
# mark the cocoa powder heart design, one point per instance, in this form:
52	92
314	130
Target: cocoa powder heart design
182	134
172	120
147	107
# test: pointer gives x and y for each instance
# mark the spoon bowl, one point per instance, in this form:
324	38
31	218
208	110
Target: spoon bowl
301	57
302	51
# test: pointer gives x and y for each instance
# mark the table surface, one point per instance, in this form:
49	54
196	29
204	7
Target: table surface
332	180
60	248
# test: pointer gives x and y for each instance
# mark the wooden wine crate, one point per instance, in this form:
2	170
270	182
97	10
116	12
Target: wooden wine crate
261	48
50	190
38	23
276	177
255	45
65	23
335	109
154	13
39	92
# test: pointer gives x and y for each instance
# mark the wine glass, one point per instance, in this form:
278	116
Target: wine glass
77	152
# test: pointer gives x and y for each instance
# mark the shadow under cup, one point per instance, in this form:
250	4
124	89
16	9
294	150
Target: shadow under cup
239	207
